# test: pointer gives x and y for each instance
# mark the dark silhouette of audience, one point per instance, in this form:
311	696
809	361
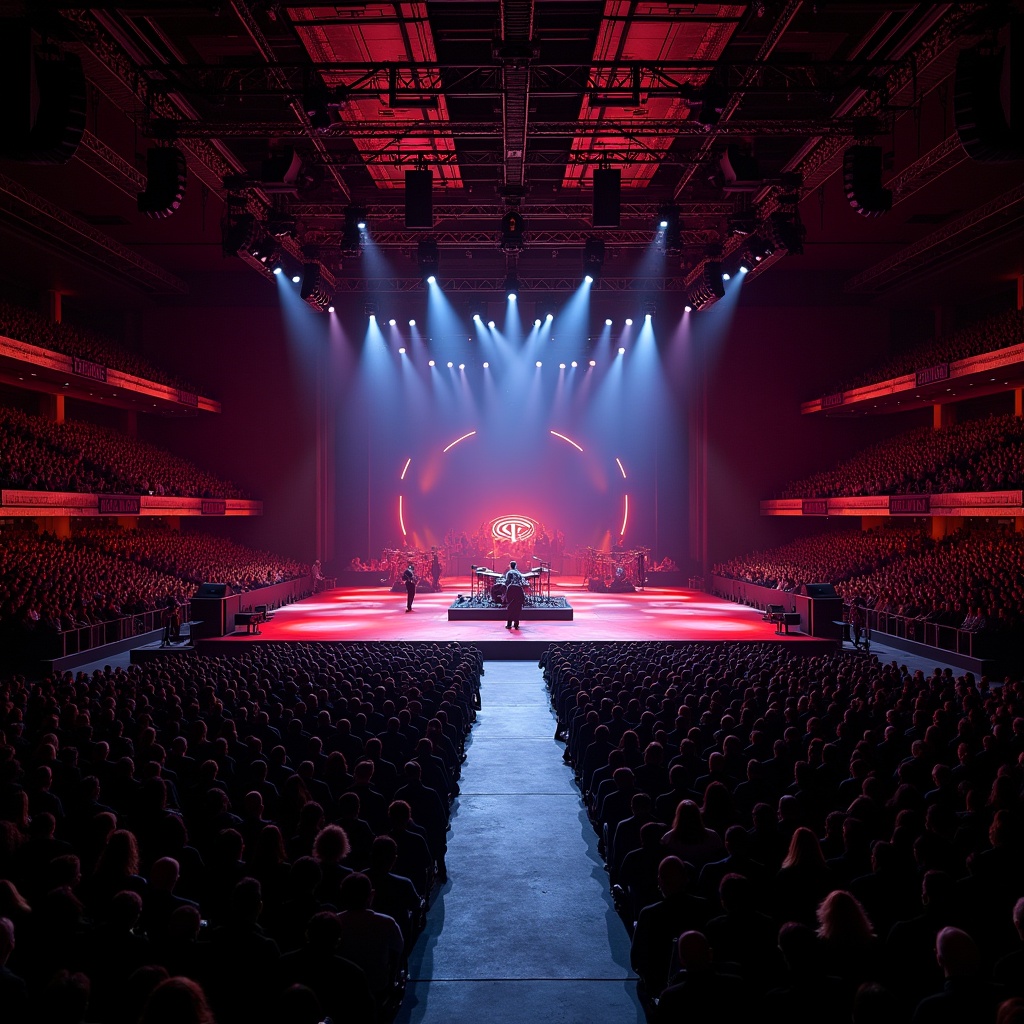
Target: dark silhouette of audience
158	886
870	872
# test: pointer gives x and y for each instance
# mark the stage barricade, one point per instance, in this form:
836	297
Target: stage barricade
218	613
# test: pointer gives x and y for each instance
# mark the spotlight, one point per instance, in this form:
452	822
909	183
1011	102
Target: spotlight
486	365
462	366
649	308
352	232
608	322
401	351
511	286
450	364
536	323
593	258
746	265
549	317
428	258
430	362
647	317
622	351
490	323
330	309
296	278
726	276
593	362
392	322
687	308
538	363
412	323
278	269
561	366
370	310
574	364
629	321
669	236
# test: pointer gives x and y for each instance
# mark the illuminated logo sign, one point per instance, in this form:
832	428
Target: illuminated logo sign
513	529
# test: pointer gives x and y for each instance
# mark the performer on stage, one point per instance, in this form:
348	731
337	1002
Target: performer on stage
641	568
515	594
172	622
435	570
409	579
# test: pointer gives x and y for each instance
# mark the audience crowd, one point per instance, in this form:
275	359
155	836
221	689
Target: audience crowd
101	574
1000	331
35	329
972	579
803	838
978	455
248	840
40	455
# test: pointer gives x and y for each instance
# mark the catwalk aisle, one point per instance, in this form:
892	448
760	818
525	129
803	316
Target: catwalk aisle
525	929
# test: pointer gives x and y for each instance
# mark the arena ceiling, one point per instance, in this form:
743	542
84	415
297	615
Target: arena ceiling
297	115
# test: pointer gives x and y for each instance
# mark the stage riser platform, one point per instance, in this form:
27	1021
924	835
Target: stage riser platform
501	615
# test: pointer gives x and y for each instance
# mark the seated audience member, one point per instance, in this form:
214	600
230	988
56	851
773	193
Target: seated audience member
966	995
703	992
370	940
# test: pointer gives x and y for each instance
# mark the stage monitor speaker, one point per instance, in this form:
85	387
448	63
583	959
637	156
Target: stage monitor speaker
419	199
607	194
818	590
208	590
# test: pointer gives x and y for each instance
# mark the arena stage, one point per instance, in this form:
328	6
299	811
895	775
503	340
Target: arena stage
373	614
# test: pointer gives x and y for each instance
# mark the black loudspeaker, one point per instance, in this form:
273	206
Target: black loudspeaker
818	590
607	193
165	182
419	199
988	98
207	590
43	115
862	181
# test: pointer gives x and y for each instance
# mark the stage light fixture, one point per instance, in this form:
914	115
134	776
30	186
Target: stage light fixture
549	316
608	321
622	351
511	286
450	364
649	308
561	366
476	317
593	362
687	308
538	364
428	258
392	322
412	323
330	309
669	236
352	232
296	278
726	276
401	351
593	258
370	310
536	323
629	321
574	364
462	366
486	365
746	264
490	323
430	362
647	317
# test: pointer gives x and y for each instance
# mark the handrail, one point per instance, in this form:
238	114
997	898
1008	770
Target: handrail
931	634
84	638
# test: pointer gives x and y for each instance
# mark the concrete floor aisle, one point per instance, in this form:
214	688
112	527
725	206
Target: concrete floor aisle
525	929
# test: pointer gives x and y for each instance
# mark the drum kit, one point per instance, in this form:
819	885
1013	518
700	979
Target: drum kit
487	581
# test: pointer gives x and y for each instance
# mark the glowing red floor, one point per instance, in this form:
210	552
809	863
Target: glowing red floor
659	613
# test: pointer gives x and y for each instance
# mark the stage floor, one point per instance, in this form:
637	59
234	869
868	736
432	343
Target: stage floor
362	614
